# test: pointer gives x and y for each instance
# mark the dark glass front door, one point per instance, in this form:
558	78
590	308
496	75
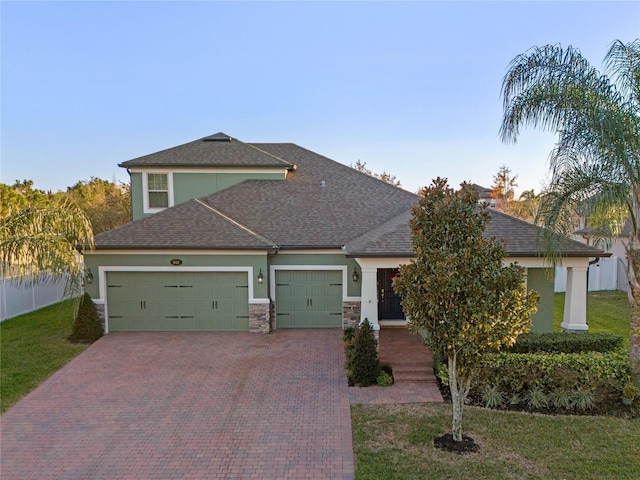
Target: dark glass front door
389	307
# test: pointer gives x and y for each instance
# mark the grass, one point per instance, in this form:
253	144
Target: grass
32	347
396	442
606	312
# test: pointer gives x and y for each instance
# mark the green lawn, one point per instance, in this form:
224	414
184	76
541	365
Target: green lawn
606	312
32	347
396	442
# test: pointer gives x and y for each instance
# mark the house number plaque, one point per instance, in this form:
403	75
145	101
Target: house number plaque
176	261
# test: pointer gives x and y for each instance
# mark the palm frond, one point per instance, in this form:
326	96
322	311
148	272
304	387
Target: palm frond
36	240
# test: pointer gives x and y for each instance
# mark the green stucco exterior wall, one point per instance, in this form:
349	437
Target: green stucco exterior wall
194	185
258	261
541	280
353	288
188	185
136	196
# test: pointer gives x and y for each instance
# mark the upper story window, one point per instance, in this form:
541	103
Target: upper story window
158	193
158	188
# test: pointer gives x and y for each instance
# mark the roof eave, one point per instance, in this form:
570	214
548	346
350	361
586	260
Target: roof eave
182	247
508	255
128	165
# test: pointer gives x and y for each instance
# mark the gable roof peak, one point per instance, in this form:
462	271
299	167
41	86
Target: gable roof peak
218	137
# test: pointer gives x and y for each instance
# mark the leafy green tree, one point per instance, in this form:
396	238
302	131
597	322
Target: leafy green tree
457	289
107	204
595	164
384	176
21	195
503	187
526	207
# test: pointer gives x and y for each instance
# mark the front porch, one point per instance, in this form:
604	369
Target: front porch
412	365
381	306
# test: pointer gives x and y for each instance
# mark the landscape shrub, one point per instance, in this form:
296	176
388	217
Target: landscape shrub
363	366
87	327
384	379
566	343
562	380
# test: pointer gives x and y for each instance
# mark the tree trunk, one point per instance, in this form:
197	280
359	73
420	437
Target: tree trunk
633	275
459	387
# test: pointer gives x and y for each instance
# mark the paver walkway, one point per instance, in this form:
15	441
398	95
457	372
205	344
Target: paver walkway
194	405
188	405
412	366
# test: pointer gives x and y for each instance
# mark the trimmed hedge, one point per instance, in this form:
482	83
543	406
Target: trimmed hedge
506	377
515	371
566	343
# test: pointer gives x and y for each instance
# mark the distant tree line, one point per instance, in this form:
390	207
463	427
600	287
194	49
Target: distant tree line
106	204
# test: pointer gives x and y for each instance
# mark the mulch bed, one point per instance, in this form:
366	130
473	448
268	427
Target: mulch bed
446	442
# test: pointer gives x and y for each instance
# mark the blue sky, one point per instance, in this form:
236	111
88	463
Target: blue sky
412	88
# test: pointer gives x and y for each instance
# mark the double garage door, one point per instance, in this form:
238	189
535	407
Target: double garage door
174	301
308	299
219	301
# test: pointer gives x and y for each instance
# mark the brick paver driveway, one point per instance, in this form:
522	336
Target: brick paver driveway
187	405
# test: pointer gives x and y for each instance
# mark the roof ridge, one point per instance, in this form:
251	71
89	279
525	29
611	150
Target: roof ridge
237	224
270	154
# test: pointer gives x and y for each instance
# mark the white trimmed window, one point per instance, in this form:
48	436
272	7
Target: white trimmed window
157	191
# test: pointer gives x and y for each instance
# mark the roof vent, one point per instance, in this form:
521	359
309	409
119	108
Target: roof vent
218	137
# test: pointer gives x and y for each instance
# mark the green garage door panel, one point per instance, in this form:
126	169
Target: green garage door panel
177	301
308	299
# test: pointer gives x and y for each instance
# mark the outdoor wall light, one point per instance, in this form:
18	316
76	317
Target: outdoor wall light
355	275
89	276
260	277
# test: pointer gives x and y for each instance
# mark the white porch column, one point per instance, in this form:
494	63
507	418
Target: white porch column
575	301
369	305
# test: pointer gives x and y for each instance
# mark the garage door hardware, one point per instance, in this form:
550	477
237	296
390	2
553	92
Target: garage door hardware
143	304
178	316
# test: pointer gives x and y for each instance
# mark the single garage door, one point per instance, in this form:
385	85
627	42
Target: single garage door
308	299
172	301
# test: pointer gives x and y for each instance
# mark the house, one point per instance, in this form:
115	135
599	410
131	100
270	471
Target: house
605	273
485	196
254	237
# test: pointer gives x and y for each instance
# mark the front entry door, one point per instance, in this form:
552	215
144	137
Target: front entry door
389	307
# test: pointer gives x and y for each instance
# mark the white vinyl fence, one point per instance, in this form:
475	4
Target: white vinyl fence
607	274
16	299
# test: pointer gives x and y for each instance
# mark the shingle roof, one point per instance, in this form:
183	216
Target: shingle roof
521	239
588	230
300	212
190	225
483	192
321	204
218	150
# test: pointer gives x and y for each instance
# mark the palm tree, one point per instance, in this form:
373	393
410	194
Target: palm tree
41	242
595	164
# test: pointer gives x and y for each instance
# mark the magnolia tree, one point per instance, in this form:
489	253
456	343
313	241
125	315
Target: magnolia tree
457	289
